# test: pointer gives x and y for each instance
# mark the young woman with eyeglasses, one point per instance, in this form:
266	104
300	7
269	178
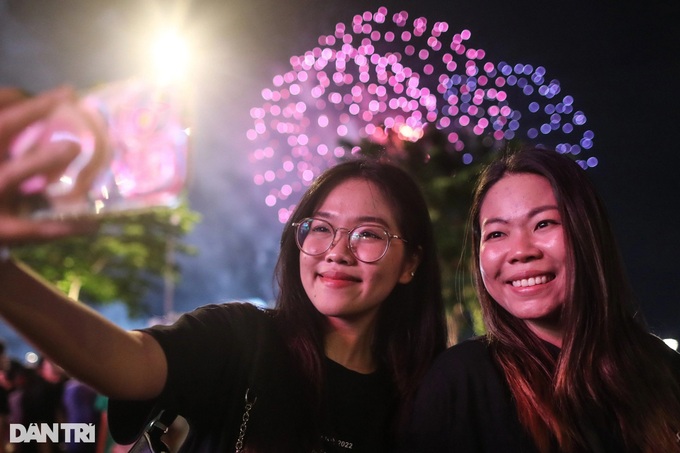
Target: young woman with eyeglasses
333	368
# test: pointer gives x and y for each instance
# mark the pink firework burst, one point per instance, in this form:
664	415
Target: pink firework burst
385	74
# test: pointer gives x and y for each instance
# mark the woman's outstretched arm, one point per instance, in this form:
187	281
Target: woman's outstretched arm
118	363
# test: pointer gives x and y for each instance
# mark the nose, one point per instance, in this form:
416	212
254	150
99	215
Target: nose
340	254
344	234
524	249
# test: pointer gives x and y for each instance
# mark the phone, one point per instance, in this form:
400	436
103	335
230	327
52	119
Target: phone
134	152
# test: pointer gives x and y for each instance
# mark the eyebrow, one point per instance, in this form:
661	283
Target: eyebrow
359	220
535	211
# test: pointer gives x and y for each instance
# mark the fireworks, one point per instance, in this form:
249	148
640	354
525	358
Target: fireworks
387	75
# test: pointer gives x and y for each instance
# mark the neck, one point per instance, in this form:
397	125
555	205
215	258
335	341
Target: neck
551	334
350	346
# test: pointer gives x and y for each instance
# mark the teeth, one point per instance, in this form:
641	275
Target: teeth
530	281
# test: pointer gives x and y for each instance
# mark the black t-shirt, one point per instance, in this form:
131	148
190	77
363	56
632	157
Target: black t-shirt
360	409
217	353
465	405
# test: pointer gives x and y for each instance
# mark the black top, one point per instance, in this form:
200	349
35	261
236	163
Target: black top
217	353
465	406
360	408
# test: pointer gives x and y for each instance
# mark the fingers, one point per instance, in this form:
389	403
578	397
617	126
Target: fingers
49	162
9	96
42	164
16	116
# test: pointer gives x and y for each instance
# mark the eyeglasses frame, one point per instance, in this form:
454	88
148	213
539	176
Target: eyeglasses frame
334	230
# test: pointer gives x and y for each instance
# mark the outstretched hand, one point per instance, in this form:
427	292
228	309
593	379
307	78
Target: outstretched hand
43	162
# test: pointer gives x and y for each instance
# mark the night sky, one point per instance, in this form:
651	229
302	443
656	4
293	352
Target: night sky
619	60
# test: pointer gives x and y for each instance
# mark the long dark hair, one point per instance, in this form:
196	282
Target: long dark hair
608	361
411	327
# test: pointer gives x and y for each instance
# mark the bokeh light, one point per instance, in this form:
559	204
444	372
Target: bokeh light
389	73
31	358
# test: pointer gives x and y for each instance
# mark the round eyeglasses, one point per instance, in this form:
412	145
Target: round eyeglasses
368	243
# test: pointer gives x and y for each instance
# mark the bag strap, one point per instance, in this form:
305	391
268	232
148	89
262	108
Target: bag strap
244	425
150	441
255	385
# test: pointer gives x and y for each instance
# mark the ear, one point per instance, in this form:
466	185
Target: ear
411	263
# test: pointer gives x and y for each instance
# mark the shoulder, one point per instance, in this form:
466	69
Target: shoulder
467	364
235	315
473	352
471	347
229	309
228	328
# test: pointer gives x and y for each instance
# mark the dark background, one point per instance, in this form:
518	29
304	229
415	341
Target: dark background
619	60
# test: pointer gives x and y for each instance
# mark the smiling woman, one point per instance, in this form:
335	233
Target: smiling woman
567	365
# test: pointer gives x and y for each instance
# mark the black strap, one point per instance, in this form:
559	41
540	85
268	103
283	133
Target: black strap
150	441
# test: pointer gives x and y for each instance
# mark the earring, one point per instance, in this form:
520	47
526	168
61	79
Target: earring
413	273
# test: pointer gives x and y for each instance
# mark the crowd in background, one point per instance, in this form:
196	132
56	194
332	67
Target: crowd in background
44	393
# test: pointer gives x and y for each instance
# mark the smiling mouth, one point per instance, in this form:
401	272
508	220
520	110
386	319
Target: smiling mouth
533	281
339	277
